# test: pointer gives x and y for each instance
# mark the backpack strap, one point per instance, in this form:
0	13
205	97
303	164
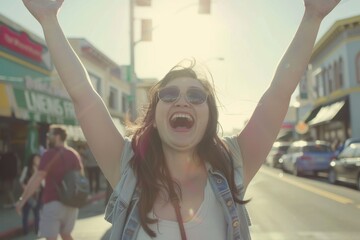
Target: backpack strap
53	161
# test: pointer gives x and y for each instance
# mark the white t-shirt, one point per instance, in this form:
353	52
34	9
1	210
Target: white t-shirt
208	222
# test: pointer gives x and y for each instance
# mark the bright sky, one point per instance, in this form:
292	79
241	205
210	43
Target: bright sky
250	35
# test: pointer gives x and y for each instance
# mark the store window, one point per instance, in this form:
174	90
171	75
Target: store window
113	98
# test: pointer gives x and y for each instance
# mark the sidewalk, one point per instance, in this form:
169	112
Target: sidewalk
10	221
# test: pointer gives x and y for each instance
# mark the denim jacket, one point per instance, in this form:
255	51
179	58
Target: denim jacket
122	210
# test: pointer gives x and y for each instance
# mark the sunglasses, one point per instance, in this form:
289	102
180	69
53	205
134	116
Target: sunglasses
194	95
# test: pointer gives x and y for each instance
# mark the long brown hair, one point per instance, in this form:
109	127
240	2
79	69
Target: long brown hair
148	161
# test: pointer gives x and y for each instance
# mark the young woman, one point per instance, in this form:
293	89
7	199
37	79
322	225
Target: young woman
175	178
34	203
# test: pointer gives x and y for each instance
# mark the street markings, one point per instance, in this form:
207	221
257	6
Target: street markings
312	189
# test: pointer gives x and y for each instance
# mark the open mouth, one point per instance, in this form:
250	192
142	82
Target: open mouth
181	121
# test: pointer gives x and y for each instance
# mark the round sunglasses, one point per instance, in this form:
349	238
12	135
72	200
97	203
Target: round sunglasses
194	95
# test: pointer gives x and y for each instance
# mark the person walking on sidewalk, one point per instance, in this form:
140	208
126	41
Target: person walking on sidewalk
56	218
34	202
175	178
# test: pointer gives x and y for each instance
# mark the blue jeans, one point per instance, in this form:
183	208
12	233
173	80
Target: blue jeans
35	207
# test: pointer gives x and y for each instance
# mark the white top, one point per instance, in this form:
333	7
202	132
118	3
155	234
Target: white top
208	223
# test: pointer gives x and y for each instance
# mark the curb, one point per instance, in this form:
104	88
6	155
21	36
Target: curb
17	231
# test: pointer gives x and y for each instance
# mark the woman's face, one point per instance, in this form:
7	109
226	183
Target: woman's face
180	123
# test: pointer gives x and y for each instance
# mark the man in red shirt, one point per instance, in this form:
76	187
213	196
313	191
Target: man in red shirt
56	218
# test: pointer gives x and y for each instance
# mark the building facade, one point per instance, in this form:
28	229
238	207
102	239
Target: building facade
32	96
108	78
331	88
28	100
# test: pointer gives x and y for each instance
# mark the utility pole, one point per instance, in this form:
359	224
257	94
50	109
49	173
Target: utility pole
133	77
204	8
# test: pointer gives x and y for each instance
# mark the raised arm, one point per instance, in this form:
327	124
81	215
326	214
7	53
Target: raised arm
261	131
101	134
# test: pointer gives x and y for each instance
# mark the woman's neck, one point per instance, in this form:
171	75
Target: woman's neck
183	165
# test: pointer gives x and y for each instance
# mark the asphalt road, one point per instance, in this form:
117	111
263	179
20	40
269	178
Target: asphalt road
283	207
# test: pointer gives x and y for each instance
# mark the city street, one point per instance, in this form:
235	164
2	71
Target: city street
283	207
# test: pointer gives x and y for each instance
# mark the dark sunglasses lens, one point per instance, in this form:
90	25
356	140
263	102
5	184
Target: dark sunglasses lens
169	94
196	96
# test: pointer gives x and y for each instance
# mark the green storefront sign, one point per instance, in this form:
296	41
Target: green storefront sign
42	107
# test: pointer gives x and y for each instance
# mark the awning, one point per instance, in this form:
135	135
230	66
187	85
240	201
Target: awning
327	113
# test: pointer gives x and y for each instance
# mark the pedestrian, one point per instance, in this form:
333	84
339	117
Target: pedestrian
91	168
34	202
175	178
56	218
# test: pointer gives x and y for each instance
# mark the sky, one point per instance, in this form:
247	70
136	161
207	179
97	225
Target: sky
240	42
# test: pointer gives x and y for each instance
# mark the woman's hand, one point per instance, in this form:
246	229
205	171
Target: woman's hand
43	9
320	8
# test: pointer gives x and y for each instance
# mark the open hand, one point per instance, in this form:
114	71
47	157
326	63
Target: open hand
42	9
320	8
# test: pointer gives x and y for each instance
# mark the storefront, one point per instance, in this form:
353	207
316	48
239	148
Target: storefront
31	96
331	121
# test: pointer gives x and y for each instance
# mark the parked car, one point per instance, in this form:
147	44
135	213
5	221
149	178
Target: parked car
305	157
346	166
346	144
277	150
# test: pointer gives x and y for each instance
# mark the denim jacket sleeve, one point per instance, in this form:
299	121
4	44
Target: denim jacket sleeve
121	196
235	150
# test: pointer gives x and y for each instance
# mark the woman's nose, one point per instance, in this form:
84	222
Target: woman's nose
182	101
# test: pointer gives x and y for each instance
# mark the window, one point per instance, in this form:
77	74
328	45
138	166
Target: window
335	74
317	148
324	82
357	151
320	87
341	73
113	98
96	82
124	102
330	79
347	152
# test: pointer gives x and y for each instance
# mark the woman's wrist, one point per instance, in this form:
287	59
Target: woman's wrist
48	22
313	15
21	200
